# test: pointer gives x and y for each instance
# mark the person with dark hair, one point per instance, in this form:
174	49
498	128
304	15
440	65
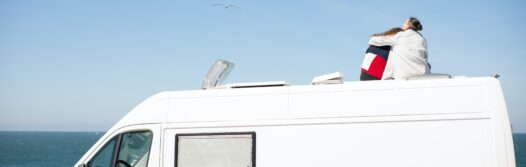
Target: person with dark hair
408	54
376	58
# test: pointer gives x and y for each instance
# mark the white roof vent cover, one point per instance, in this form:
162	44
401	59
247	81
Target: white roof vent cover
333	78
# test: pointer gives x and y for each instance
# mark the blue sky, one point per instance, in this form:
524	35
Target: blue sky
73	65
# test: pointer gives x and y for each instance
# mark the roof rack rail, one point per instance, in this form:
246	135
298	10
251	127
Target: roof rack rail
255	84
430	76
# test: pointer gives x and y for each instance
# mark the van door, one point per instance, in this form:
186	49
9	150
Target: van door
130	147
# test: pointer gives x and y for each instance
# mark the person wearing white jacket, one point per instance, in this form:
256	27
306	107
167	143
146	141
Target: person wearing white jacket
408	55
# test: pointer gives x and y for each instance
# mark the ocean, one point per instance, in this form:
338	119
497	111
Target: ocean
63	149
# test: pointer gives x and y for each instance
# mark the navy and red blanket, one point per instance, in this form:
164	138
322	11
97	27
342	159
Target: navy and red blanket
373	65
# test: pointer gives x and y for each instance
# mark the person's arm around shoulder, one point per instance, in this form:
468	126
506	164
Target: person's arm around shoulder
384	40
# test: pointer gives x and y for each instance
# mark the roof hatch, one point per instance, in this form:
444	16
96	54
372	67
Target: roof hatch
217	74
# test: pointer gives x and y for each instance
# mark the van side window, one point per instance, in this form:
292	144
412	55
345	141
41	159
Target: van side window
105	156
216	149
135	148
124	150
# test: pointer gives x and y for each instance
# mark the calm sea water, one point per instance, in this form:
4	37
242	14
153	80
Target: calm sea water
57	149
44	149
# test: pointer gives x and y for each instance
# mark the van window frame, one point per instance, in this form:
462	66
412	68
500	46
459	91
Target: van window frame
253	134
117	147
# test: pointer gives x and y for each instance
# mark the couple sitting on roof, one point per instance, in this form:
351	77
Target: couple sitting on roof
396	54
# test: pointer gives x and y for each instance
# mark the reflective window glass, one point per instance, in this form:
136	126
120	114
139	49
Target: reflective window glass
134	149
213	150
105	156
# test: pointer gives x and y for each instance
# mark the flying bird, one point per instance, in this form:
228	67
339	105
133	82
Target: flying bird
227	6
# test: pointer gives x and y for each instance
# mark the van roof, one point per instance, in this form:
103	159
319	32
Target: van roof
351	99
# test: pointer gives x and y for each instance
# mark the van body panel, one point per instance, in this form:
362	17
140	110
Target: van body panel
442	122
411	143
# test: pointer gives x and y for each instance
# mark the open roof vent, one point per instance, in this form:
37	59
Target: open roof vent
217	74
333	78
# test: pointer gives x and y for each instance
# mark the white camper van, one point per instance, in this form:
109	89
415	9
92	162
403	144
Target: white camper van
428	122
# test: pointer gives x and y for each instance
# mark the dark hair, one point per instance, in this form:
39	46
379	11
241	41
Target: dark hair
391	31
415	24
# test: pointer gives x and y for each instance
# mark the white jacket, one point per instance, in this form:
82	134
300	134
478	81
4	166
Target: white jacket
408	56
